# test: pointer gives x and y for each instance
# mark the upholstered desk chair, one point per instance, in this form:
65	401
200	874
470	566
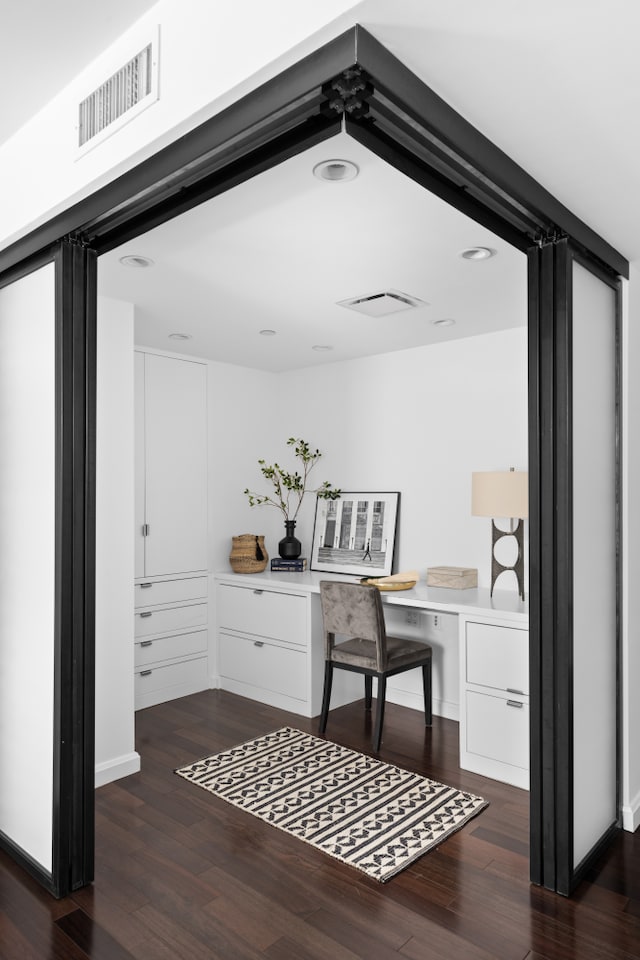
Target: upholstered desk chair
353	613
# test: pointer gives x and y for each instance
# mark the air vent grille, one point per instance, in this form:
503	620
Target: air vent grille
382	303
117	96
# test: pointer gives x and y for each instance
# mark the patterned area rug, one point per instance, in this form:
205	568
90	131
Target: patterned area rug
368	814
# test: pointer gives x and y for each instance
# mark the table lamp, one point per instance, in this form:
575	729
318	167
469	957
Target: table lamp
503	494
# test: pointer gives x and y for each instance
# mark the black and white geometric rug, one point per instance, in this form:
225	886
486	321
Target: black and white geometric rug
368	814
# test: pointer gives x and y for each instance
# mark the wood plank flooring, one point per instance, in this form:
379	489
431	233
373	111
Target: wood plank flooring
180	874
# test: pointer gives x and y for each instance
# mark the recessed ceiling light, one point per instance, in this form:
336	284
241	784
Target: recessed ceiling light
336	171
133	260
180	336
267	333
321	347
477	253
443	322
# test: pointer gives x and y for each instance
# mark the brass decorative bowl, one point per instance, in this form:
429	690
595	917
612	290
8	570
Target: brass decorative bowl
381	584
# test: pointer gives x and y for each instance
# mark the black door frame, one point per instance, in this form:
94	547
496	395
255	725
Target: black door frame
353	83
551	535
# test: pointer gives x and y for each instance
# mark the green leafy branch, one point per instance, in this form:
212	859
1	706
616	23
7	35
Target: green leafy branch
289	488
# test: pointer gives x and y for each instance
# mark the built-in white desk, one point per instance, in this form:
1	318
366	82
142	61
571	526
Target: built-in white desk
269	647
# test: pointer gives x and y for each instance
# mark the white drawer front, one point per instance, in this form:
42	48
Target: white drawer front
173	674
498	729
264	665
281	616
174	619
170	648
497	657
152	593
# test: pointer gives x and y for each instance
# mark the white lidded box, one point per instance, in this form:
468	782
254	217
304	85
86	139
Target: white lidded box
457	578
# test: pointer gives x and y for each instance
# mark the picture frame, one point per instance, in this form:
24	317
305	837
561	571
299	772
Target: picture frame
356	534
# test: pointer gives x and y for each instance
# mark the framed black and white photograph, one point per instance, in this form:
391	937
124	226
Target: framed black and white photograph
356	534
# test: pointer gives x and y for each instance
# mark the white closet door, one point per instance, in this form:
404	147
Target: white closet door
595	710
139	465
176	465
27	563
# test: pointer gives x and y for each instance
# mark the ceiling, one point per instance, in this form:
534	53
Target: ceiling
280	251
555	85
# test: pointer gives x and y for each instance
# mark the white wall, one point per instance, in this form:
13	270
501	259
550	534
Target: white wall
631	552
244	425
115	734
210	57
418	421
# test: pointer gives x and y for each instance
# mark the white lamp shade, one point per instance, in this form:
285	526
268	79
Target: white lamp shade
500	494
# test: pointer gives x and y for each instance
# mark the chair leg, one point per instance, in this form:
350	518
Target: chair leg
368	691
426	683
377	733
326	695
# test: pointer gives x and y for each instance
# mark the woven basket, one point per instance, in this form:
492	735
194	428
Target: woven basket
248	553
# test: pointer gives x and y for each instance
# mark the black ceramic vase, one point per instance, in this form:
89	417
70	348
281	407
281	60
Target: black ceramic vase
289	547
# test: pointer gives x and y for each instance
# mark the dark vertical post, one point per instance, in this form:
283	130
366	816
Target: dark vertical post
74	697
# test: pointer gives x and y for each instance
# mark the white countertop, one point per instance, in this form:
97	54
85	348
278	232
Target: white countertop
475	602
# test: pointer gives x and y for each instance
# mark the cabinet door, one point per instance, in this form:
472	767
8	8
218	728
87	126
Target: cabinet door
176	465
139	464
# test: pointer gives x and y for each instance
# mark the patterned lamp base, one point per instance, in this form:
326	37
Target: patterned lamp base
518	567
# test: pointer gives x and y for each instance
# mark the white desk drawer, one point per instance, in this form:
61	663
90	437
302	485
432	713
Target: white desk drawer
186	673
280	616
170	648
268	666
497	657
152	593
498	728
173	619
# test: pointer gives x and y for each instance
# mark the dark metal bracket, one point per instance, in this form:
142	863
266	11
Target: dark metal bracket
347	94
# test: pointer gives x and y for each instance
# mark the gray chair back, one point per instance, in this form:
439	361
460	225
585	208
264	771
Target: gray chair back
353	610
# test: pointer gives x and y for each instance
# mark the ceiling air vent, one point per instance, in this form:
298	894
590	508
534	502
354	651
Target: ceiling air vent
128	91
383	303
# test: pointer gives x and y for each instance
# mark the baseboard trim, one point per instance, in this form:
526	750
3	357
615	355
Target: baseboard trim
118	767
631	815
415	701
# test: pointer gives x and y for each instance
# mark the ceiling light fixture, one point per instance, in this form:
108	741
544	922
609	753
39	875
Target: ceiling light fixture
336	171
135	261
443	322
322	347
477	253
180	336
267	333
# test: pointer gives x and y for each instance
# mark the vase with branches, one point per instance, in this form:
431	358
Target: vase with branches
289	488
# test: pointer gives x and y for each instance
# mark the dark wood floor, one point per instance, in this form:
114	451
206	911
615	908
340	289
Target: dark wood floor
181	874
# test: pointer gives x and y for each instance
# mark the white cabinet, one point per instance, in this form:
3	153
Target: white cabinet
171	465
270	647
171	604
494	699
171	640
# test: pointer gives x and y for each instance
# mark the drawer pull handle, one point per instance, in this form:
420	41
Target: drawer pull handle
145	586
146	673
147	613
515	703
511	690
258	643
258	592
146	643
